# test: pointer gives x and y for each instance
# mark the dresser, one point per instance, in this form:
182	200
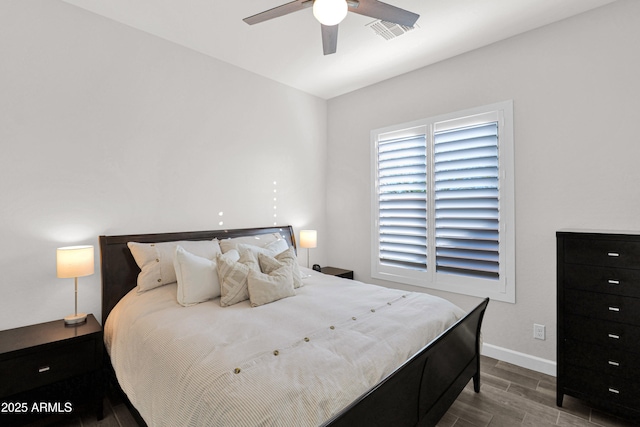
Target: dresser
599	319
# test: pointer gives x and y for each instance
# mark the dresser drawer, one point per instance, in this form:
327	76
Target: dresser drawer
614	308
613	390
619	336
606	253
608	280
46	366
606	360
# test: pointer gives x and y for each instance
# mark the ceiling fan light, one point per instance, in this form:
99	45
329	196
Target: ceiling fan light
330	12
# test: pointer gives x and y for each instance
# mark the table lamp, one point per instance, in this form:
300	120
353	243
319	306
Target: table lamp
74	261
308	240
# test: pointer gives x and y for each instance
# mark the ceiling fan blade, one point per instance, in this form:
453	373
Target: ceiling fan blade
385	12
329	38
278	11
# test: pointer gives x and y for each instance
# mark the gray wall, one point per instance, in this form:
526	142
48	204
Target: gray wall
108	130
576	95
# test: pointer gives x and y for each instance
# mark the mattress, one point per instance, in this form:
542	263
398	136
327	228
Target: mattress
296	361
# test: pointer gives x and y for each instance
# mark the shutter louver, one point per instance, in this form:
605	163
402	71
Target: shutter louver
467	201
402	202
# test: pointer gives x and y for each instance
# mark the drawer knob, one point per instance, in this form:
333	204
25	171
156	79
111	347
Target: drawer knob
614	363
613	390
614	336
613	254
614	282
43	369
616	309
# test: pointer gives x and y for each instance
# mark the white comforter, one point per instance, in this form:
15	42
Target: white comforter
293	362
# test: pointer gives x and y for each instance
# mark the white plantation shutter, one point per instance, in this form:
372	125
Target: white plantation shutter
402	201
467	211
443	203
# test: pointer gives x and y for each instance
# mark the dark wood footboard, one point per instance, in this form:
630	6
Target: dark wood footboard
420	391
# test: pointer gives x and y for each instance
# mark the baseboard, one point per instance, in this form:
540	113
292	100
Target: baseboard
534	363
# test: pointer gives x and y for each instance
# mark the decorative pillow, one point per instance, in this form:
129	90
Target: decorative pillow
233	255
259	240
233	277
197	276
273	248
156	259
288	258
266	288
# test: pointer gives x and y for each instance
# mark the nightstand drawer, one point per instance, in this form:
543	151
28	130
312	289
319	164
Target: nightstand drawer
607	253
45	366
607	280
614	308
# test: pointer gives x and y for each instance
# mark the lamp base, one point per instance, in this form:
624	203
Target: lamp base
75	319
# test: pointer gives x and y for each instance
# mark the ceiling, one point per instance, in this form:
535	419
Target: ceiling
289	49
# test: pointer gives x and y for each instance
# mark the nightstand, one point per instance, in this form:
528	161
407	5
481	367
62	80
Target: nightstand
333	271
50	369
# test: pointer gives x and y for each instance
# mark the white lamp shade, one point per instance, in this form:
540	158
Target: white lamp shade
74	261
308	238
330	12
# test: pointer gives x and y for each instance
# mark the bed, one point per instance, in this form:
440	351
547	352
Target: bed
356	354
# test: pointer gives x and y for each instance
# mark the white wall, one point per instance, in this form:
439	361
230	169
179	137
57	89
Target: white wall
575	86
108	130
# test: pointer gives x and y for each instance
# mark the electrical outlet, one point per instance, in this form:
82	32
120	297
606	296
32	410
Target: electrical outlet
538	331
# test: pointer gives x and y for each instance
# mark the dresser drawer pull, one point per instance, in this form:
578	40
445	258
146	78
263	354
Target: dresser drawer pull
616	309
614	363
613	254
43	369
614	336
613	390
614	282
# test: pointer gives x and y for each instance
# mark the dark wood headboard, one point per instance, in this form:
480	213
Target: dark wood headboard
120	271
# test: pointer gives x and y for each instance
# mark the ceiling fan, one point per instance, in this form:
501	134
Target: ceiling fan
331	12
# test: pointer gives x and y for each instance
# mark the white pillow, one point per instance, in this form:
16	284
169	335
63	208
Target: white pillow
271	249
156	259
266	288
259	240
197	276
233	277
269	263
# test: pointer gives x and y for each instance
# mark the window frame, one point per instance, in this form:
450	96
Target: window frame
501	289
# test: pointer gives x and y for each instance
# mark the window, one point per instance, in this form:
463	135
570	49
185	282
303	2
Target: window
443	203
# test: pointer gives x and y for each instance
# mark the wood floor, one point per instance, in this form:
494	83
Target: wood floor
510	396
513	396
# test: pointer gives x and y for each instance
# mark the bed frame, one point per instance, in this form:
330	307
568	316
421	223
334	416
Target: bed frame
417	393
